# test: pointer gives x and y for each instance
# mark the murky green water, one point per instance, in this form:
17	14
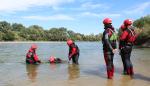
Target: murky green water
90	72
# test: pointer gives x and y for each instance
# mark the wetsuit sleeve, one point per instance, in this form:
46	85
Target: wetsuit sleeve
107	41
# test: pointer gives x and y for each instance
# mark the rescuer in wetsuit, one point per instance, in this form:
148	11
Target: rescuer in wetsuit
109	46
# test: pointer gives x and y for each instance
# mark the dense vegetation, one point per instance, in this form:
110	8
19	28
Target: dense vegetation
18	32
143	23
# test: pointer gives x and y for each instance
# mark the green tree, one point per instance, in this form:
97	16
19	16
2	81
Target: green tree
1	36
35	33
5	26
143	23
9	36
17	27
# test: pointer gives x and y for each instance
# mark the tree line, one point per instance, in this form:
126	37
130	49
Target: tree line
18	32
143	23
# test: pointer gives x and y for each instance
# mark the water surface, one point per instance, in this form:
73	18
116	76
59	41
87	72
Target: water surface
89	72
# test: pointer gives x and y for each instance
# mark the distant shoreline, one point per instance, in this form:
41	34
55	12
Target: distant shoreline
40	41
32	41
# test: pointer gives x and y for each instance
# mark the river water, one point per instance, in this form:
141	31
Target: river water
90	71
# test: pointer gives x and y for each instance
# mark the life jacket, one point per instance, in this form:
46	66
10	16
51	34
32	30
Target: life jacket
71	49
31	56
111	40
131	37
112	35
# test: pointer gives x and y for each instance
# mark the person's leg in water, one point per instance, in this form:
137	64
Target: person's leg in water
109	64
123	61
75	59
128	62
112	64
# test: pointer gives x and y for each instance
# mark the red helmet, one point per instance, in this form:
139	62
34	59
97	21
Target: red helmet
107	21
33	46
128	22
52	59
122	27
69	42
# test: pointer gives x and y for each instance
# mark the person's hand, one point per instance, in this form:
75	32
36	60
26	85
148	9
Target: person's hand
39	61
114	50
69	57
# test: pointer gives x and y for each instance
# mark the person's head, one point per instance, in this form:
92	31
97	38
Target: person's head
52	59
128	22
33	46
107	22
70	42
122	27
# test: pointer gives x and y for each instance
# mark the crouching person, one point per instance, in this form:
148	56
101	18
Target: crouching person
31	56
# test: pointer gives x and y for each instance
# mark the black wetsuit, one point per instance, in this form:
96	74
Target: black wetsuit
127	39
108	46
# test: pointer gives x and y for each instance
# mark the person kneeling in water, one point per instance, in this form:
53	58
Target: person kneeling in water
53	59
31	56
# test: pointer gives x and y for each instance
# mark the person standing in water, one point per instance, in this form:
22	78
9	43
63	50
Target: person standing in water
127	39
73	51
31	56
122	28
109	46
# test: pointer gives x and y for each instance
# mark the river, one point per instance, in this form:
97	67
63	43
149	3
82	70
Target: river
90	71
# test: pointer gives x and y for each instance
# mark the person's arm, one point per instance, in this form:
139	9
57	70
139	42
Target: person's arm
29	54
122	39
106	39
36	58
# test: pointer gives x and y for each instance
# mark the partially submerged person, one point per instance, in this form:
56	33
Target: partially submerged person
53	59
31	56
73	51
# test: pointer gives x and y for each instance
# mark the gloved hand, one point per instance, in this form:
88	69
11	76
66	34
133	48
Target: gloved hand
39	61
114	50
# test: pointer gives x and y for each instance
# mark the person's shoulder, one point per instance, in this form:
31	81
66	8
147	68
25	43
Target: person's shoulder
30	50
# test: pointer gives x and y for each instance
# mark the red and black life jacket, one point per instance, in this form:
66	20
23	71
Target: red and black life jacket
73	46
31	56
128	37
131	36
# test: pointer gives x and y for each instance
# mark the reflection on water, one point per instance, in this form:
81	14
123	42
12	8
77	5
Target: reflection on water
53	66
125	80
31	71
109	82
73	71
